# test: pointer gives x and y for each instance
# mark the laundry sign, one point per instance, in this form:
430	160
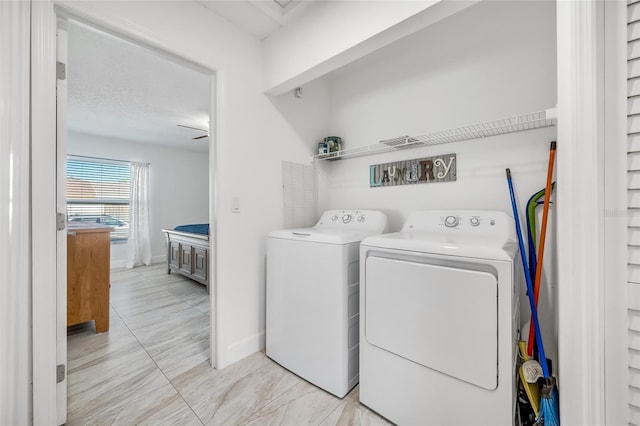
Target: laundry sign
441	168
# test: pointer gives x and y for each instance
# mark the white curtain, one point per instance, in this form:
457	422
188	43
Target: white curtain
139	245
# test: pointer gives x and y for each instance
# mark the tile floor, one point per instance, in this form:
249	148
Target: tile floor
152	367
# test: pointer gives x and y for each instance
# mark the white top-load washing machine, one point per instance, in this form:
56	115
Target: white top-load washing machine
439	320
312	297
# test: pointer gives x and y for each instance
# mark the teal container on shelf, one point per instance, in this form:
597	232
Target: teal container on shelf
322	147
334	143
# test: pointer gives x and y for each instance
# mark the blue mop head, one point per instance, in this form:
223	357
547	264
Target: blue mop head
549	413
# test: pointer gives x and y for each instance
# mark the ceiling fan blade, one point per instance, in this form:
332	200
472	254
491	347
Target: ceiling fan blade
194	128
200	137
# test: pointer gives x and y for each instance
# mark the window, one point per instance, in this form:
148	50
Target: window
98	192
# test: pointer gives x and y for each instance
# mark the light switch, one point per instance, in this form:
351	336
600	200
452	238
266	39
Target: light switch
235	205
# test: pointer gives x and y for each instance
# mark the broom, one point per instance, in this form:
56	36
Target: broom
543	234
548	398
531	389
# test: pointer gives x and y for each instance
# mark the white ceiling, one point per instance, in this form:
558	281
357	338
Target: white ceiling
257	17
119	90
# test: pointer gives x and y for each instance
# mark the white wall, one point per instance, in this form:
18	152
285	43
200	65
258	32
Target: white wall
485	63
252	140
178	181
329	34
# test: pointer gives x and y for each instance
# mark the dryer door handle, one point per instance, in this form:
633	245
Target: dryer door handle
300	234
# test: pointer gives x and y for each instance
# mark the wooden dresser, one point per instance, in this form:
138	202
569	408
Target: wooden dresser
88	263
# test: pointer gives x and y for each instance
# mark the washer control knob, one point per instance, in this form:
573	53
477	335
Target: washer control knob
334	218
360	218
346	218
474	221
451	221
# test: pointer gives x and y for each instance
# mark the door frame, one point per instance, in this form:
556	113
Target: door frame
43	171
61	236
591	212
43	208
15	207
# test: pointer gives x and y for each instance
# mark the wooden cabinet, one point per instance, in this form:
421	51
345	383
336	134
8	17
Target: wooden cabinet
188	254
88	282
185	258
174	256
200	263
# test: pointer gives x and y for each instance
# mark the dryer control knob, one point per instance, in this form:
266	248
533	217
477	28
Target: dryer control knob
451	221
474	221
360	218
346	218
334	218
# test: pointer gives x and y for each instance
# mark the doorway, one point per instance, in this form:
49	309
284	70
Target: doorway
40	357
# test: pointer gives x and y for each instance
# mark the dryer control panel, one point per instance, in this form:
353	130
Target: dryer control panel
461	222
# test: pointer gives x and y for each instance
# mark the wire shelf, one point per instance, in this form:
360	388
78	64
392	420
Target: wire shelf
519	123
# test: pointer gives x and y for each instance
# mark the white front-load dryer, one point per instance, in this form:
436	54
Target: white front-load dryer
312	297
439	320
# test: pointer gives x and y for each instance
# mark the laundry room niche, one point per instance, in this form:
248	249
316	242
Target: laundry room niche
490	61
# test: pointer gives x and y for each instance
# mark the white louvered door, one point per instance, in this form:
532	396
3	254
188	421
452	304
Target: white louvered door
633	191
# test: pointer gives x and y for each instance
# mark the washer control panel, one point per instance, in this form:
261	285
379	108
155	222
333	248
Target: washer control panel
356	219
451	221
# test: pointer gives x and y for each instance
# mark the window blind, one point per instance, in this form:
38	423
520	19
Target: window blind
98	191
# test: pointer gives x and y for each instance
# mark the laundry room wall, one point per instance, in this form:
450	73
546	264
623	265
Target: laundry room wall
178	185
325	31
484	63
308	115
493	60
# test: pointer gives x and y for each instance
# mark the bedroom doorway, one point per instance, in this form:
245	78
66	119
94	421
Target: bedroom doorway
109	119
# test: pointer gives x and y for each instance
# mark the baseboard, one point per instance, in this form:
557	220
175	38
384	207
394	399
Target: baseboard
245	347
118	263
121	263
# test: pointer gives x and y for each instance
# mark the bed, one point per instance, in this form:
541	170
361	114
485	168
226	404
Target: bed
188	251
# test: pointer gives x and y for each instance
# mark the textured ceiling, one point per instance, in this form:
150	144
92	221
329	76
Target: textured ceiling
119	90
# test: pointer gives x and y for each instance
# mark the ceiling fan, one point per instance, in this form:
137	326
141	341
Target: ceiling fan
206	135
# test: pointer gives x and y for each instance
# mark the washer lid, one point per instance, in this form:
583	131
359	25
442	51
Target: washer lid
338	227
453	245
322	235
